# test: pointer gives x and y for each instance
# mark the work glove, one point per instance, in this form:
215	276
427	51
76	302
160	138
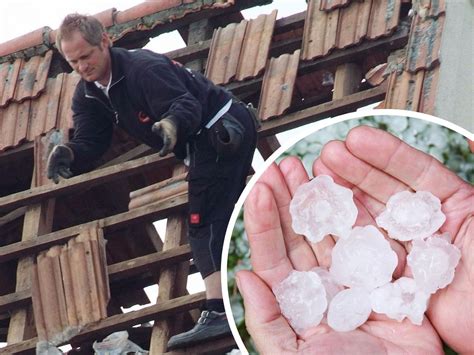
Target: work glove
168	132
59	163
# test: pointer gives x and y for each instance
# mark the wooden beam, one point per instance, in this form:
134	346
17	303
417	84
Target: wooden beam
347	80
161	210
339	56
83	181
119	271
267	145
328	109
134	153
151	212
9	217
119	322
172	280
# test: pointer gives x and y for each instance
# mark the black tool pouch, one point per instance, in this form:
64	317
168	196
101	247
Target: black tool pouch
226	135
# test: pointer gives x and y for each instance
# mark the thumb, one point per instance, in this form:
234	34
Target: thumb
268	328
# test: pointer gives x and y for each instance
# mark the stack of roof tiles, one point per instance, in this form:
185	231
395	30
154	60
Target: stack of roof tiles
70	287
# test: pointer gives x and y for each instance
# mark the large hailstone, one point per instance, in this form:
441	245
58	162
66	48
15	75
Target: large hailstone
302	299
349	309
321	207
432	263
364	259
411	215
400	299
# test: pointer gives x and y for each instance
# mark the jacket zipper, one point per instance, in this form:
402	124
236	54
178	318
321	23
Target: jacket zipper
113	110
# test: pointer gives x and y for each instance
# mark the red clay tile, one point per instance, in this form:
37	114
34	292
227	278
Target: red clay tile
240	50
254	54
384	17
106	17
28	40
353	23
67	91
320	31
376	76
44	110
144	9
224	52
327	5
8	79
32	77
424	43
278	84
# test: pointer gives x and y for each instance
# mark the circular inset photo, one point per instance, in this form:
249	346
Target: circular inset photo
357	238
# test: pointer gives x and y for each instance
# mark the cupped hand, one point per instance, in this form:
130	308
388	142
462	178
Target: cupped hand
376	165
276	250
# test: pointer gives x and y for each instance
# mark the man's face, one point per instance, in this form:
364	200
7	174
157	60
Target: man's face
92	63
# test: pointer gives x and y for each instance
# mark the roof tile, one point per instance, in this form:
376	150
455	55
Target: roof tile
342	27
23	79
8	78
145	8
353	23
384	17
320	31
28	40
240	50
424	43
278	84
327	5
32	77
106	17
413	91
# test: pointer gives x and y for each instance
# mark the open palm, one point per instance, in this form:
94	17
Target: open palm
373	164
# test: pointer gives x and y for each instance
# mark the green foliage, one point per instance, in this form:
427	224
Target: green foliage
447	146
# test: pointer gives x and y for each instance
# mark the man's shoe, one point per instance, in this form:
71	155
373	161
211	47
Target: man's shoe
210	325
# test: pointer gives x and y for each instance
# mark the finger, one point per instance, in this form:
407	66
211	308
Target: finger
293	172
298	250
262	224
64	172
414	168
268	328
374	182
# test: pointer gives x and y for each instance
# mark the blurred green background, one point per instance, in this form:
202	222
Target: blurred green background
447	146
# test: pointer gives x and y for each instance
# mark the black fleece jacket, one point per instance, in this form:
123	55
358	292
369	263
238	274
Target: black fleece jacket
144	84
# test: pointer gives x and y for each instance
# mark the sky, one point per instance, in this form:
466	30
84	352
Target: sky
19	17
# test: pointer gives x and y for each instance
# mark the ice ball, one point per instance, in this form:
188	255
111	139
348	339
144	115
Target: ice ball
364	259
321	207
302	299
411	215
349	309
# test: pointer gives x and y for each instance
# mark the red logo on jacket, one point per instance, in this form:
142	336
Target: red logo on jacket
143	117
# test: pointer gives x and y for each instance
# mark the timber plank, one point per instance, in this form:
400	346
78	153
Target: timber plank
119	322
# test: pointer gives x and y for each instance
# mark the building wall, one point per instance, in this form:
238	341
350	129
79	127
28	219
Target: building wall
455	98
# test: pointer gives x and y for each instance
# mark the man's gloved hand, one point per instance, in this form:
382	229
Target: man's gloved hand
59	163
168	132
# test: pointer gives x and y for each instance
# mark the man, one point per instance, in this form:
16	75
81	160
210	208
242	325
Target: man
170	108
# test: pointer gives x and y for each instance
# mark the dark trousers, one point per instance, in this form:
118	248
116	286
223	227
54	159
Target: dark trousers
215	184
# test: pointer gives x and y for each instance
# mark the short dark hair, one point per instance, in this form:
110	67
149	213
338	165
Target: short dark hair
89	27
